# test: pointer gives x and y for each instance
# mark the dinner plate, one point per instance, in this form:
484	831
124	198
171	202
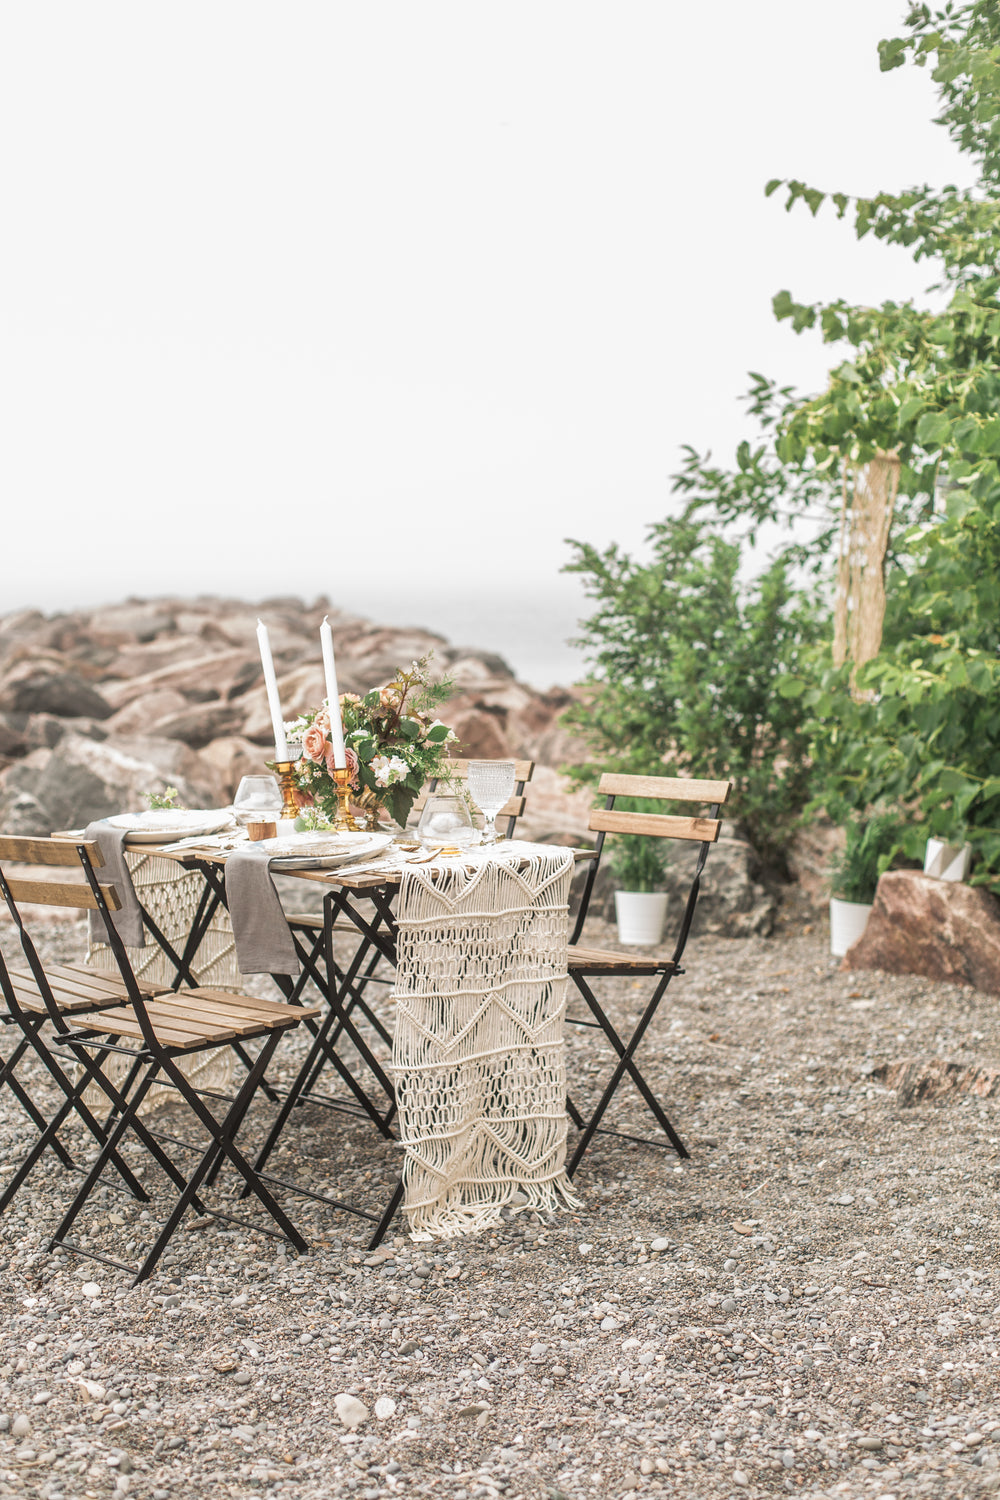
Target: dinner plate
162	825
322	851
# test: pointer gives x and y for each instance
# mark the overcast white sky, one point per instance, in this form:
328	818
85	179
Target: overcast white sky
385	300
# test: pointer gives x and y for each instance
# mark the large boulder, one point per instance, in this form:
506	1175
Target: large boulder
67	694
937	928
144	715
82	779
200	678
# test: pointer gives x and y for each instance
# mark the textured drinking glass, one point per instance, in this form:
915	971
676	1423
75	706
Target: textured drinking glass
491	784
257	800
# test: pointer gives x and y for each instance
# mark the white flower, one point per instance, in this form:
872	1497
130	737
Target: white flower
389	769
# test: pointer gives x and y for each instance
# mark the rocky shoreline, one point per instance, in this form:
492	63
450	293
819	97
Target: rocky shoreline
99	707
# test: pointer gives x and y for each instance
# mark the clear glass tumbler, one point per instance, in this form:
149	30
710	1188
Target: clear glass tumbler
257	800
445	820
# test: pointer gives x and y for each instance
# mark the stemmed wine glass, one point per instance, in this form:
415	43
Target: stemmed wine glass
491	785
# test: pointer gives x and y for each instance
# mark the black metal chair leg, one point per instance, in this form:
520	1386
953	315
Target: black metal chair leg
625	1065
101	1161
387	1217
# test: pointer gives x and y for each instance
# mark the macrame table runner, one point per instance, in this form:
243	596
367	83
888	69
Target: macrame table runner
478	1060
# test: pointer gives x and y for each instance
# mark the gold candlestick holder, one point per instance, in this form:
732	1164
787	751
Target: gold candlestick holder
345	821
286	781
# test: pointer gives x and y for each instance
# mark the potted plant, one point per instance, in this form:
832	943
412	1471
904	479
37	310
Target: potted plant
871	845
947	861
638	864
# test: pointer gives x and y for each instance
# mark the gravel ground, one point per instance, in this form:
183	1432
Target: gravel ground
810	1305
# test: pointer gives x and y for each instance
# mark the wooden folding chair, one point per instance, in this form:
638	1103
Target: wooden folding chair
152	1034
589	964
72	990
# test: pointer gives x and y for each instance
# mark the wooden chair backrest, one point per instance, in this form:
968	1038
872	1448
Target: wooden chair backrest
699	830
15	849
511	810
660	825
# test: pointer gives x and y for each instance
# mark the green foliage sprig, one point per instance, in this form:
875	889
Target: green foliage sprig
165	799
871	845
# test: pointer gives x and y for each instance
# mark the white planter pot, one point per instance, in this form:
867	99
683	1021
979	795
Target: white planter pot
848	920
640	916
947	861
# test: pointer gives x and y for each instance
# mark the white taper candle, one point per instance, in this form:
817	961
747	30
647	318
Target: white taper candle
332	695
273	701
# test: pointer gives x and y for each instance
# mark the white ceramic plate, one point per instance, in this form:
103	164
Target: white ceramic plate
323	851
162	825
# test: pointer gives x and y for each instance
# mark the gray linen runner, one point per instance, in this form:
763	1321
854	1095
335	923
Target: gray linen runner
128	921
264	942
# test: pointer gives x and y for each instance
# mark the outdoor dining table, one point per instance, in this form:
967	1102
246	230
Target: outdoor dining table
476	1086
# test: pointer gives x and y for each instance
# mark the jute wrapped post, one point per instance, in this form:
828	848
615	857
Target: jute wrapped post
478	1054
859	607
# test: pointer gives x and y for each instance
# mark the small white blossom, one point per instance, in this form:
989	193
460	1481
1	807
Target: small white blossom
389	769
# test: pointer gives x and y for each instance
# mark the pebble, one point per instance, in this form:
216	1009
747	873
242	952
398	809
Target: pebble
572	1344
350	1410
90	1289
870	1444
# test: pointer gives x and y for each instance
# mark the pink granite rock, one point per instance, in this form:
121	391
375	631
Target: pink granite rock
937	928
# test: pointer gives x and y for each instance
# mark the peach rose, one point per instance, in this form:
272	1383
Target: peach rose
314	743
303	799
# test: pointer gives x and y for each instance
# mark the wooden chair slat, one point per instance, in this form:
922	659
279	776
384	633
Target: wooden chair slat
670	788
125	1023
660	825
59	893
103	981
30	999
32	851
250	1005
592	958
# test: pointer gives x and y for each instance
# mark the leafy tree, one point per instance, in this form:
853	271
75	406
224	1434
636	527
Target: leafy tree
925	384
685	662
922	383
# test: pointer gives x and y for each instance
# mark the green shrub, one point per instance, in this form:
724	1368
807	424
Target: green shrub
684	663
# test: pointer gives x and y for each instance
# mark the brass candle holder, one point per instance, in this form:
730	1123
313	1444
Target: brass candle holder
345	821
286	781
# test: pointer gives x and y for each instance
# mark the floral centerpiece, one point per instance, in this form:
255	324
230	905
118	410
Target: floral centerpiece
394	743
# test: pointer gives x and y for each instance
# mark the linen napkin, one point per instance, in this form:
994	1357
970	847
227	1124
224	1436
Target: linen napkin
128	920
264	942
